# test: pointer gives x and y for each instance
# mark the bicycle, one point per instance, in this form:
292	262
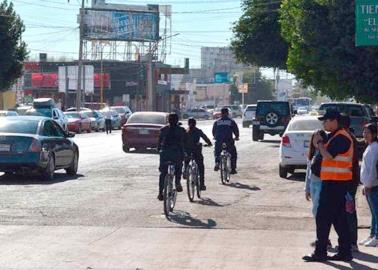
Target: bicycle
192	179
225	164
169	193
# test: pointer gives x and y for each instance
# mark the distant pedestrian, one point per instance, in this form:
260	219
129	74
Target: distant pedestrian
108	121
369	178
352	190
336	175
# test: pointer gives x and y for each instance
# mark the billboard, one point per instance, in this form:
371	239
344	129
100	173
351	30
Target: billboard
87	83
120	25
221	77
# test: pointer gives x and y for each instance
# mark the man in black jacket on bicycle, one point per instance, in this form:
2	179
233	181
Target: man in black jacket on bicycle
223	131
193	146
171	149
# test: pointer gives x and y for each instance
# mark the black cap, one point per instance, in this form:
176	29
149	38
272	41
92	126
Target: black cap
332	115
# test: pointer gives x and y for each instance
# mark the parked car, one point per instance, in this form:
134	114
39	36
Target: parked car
31	144
272	117
248	115
8	113
302	110
46	107
359	114
295	143
142	130
123	111
197	114
78	122
73	109
90	115
236	110
100	119
21	110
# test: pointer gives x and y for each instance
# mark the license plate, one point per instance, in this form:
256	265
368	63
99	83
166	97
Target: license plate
144	131
4	147
306	144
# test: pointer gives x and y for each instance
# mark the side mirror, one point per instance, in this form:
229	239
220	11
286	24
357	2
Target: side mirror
70	134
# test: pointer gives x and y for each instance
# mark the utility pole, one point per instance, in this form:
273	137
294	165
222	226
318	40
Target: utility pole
150	92
102	80
80	62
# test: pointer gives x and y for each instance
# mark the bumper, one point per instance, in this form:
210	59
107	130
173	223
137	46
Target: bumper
22	163
140	142
292	158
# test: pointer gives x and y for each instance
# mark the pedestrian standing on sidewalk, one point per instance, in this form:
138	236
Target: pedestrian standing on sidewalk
369	178
108	121
351	201
313	183
336	176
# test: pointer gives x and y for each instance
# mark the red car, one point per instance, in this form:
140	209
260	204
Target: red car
78	122
142	130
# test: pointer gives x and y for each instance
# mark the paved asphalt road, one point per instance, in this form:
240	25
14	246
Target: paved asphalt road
42	225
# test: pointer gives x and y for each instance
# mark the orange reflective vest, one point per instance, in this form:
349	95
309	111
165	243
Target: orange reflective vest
340	167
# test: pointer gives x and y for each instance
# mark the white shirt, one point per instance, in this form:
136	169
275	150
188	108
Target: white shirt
369	176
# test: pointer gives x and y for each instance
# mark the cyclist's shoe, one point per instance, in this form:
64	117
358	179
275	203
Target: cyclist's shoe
203	187
233	171
179	188
216	168
160	197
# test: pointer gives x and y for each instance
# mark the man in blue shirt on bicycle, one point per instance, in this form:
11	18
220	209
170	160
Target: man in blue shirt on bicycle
223	130
194	147
171	148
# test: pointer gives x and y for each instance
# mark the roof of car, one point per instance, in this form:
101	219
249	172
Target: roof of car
305	117
148	112
343	103
28	118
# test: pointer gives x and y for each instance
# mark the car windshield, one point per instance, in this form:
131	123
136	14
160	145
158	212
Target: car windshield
88	114
19	126
72	115
281	108
119	110
351	110
148	118
305	125
46	112
251	108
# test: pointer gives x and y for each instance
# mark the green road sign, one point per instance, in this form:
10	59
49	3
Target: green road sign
366	22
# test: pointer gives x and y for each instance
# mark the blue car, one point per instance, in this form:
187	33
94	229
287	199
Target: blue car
33	144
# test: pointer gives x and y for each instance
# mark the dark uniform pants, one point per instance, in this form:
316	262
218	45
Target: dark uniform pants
108	125
352	216
331	211
230	148
198	157
163	168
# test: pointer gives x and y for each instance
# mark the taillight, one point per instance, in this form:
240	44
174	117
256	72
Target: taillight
35	146
286	141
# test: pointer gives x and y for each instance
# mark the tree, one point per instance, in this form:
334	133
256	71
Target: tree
12	49
259	88
257	39
322	50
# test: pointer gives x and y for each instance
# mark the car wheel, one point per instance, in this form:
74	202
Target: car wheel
89	130
126	149
48	172
255	133
271	119
79	129
282	171
72	170
245	125
261	135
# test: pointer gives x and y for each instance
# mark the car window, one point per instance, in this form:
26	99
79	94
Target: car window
351	110
58	131
48	129
356	111
305	125
46	112
72	115
159	119
19	126
281	108
251	108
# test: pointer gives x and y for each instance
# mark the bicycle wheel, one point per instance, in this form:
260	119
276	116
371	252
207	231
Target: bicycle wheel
223	170
190	184
167	195
228	168
198	184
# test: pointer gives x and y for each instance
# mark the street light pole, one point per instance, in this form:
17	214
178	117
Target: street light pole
80	62
102	79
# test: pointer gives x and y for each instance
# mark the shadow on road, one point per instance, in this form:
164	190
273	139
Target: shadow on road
243	186
208	202
271	141
300	177
353	265
35	179
143	151
365	257
184	218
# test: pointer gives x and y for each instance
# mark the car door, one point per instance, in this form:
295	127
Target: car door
65	146
51	143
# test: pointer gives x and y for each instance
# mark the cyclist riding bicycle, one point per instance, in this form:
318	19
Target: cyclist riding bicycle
193	146
171	149
223	130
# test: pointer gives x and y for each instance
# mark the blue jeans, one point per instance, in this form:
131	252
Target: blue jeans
315	188
372	199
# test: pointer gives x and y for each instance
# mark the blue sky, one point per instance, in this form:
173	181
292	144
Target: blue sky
51	26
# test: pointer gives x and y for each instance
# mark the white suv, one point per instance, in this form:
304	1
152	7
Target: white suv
248	115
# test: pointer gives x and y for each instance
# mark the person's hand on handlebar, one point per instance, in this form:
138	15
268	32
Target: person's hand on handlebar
237	139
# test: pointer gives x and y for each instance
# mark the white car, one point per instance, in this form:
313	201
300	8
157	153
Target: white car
295	143
248	115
